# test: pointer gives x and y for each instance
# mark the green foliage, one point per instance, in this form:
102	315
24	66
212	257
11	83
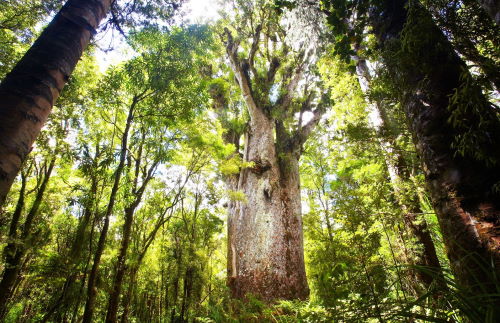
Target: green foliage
19	25
130	16
169	134
237	196
233	165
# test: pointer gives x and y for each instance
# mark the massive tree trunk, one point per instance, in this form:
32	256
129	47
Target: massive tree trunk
461	176
266	256
29	91
265	247
405	193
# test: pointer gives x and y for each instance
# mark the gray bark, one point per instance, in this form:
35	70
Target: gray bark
266	256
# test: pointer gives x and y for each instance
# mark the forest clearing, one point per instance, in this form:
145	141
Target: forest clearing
249	161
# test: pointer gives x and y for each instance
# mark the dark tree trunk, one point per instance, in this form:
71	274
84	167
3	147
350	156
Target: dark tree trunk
128	296
91	287
29	91
492	7
114	298
461	184
175	294
186	297
407	196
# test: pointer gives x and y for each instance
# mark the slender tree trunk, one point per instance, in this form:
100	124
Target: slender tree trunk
461	184
80	294
91	288
128	296
29	91
15	250
186	294
175	293
114	299
407	197
63	303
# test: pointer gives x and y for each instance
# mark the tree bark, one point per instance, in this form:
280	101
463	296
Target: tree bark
114	298
266	256
265	242
126	302
29	91
461	184
407	197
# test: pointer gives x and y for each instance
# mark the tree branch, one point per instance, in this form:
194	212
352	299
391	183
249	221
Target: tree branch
273	69
304	132
254	48
241	75
294	78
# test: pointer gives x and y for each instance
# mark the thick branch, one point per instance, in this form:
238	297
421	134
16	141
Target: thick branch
304	132
242	76
291	86
254	48
273	68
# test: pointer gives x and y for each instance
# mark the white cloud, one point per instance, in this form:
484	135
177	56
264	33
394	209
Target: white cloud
202	11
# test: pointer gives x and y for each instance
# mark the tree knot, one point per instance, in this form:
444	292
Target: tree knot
260	166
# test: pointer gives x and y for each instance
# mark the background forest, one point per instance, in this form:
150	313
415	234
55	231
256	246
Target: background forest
158	180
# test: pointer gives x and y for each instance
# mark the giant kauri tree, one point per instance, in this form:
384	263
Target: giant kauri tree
278	88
